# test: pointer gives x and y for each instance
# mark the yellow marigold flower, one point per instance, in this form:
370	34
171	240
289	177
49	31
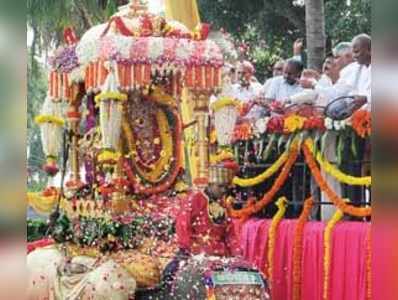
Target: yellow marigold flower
293	123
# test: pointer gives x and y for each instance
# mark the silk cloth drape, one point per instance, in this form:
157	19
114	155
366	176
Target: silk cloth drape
184	11
348	261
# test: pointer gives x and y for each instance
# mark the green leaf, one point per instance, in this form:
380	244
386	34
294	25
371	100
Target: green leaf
354	149
318	135
281	141
290	140
269	147
323	141
302	137
340	148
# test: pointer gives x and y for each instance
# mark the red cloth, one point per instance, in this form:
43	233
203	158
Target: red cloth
38	244
348	261
197	232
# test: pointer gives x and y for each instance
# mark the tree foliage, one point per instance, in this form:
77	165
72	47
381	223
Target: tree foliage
37	88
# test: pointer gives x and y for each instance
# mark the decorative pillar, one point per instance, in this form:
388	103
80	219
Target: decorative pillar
74	117
201	114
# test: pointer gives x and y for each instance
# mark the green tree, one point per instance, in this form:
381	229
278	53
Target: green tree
315	26
37	88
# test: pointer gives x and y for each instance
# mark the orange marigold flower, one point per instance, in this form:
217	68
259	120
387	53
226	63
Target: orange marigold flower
361	123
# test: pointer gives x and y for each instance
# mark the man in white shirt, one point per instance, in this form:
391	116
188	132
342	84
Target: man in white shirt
343	55
283	87
354	79
248	90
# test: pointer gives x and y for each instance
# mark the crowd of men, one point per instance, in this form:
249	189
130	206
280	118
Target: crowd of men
345	72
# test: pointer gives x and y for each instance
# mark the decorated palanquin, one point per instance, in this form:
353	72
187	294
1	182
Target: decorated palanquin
112	131
114	100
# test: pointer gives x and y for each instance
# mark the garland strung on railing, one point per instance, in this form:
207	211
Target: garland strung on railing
327	240
339	202
255	207
247	182
298	247
335	172
281	204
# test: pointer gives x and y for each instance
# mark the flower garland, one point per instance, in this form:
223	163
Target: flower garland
293	123
222	102
361	123
247	182
42	203
108	96
255	207
40	119
327	242
298	247
161	166
167	182
281	204
340	203
335	172
221	156
242	132
109	157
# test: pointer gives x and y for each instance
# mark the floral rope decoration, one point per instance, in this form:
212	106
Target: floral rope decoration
281	204
254	207
222	102
293	123
298	247
340	203
361	123
327	240
335	172
159	167
170	179
247	182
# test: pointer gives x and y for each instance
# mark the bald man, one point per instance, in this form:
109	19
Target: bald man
355	78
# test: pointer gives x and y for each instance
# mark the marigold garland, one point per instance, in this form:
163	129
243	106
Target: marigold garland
339	202
222	102
104	96
298	247
160	166
361	123
293	123
42	203
247	182
254	207
336	173
221	156
108	156
327	244
40	119
281	204
243	132
170	179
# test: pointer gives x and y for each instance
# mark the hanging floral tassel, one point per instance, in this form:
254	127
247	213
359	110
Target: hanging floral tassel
51	123
328	252
298	248
111	111
281	204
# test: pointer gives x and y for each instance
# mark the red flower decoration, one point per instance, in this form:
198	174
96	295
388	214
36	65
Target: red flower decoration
314	123
242	132
275	124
